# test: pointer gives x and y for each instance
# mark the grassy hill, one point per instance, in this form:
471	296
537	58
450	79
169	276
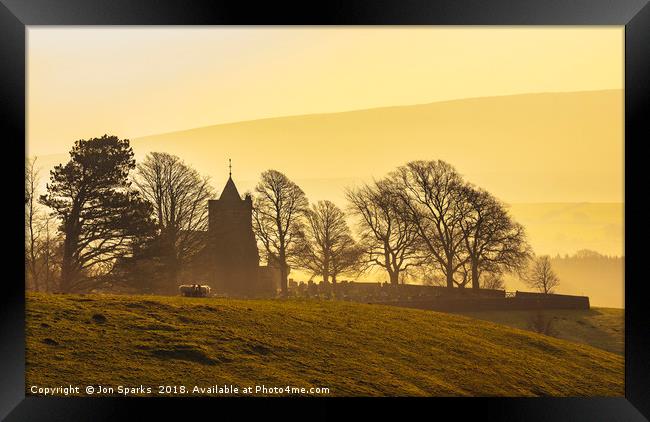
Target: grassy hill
598	327
352	349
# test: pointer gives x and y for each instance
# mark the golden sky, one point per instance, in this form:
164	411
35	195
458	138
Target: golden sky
137	81
563	147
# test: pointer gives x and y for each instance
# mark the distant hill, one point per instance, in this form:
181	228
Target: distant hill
486	139
352	349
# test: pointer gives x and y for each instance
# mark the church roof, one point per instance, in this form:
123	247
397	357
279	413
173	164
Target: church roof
230	192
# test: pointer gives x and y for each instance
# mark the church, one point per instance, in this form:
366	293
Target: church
231	256
227	257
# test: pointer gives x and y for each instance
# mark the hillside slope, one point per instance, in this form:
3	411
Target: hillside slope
352	349
598	327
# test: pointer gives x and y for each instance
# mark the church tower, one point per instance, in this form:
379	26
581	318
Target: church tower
234	252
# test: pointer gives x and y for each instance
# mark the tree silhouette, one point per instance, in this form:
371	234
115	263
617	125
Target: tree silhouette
428	193
493	242
179	196
41	247
33	227
278	208
101	215
389	241
326	246
493	281
541	275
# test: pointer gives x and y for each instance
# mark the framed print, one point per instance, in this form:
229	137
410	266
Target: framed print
355	209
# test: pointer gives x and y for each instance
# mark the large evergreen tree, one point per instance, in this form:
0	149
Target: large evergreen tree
102	216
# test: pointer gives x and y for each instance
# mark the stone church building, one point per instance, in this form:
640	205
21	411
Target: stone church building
230	262
227	257
232	252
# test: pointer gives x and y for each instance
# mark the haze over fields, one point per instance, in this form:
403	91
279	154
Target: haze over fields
563	181
334	107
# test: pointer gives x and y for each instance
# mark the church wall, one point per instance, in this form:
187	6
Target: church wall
235	258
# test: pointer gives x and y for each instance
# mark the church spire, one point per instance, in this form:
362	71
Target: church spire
230	192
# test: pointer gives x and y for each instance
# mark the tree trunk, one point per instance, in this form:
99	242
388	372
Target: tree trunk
284	282
47	257
394	277
33	272
47	268
475	280
326	271
284	274
66	271
32	240
68	266
450	276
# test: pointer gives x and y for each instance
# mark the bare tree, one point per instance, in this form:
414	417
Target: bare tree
42	246
278	208
541	275
493	242
493	281
428	193
50	248
327	247
463	274
32	226
390	241
179	196
430	275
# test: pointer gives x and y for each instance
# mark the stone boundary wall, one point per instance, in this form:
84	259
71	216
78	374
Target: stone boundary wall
439	298
522	301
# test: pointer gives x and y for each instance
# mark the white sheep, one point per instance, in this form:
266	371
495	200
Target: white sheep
194	290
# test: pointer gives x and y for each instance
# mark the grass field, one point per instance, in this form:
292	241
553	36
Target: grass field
599	327
352	349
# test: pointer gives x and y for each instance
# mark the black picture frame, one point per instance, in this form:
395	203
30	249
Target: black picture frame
15	15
